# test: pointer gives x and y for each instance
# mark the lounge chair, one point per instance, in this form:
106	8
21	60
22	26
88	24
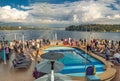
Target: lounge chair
115	61
21	64
100	54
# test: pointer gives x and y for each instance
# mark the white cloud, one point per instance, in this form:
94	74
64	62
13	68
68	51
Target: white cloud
92	11
75	18
116	16
8	14
86	11
25	7
74	13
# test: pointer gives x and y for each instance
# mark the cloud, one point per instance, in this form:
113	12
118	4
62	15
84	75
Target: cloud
8	14
116	16
79	12
25	7
75	13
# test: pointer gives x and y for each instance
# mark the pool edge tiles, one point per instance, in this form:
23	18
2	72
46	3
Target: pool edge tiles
81	74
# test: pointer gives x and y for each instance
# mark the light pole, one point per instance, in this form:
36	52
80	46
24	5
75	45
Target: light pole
14	36
23	40
36	57
52	70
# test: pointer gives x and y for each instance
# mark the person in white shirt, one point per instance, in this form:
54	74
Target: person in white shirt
117	56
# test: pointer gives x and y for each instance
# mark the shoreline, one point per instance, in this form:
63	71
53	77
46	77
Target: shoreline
62	30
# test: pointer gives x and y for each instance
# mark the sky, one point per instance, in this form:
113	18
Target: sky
59	13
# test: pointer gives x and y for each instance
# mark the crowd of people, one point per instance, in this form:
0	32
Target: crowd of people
109	49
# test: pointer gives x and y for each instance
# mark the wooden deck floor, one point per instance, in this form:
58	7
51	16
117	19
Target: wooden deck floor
8	73
117	77
11	74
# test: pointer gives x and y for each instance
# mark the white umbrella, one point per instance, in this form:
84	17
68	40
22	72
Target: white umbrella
45	66
52	56
58	77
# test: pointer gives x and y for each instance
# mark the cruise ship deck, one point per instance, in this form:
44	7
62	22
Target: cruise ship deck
9	73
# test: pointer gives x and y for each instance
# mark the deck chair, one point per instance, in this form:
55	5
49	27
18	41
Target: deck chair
115	61
21	63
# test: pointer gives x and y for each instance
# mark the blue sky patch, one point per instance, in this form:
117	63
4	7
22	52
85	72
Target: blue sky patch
53	1
14	3
112	6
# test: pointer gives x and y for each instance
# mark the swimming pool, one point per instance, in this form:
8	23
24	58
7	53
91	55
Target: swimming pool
76	61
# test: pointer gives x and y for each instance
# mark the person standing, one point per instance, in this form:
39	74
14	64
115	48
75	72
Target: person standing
107	53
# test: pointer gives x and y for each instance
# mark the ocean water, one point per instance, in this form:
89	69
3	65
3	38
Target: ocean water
50	34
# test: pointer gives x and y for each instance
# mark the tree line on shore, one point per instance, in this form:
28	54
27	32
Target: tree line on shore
95	28
21	28
83	27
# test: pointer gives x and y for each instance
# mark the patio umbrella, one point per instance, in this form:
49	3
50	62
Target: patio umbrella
45	66
58	77
52	55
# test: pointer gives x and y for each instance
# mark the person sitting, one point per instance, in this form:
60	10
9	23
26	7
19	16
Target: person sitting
117	56
36	74
107	53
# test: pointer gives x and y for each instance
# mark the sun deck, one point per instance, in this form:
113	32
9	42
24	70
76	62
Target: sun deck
8	73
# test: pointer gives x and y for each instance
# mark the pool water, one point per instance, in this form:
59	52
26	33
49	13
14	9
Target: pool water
76	61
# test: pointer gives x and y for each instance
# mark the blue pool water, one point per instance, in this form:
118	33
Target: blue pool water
76	61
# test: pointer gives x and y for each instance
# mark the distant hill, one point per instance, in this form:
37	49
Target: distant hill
21	28
15	26
10	24
95	28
